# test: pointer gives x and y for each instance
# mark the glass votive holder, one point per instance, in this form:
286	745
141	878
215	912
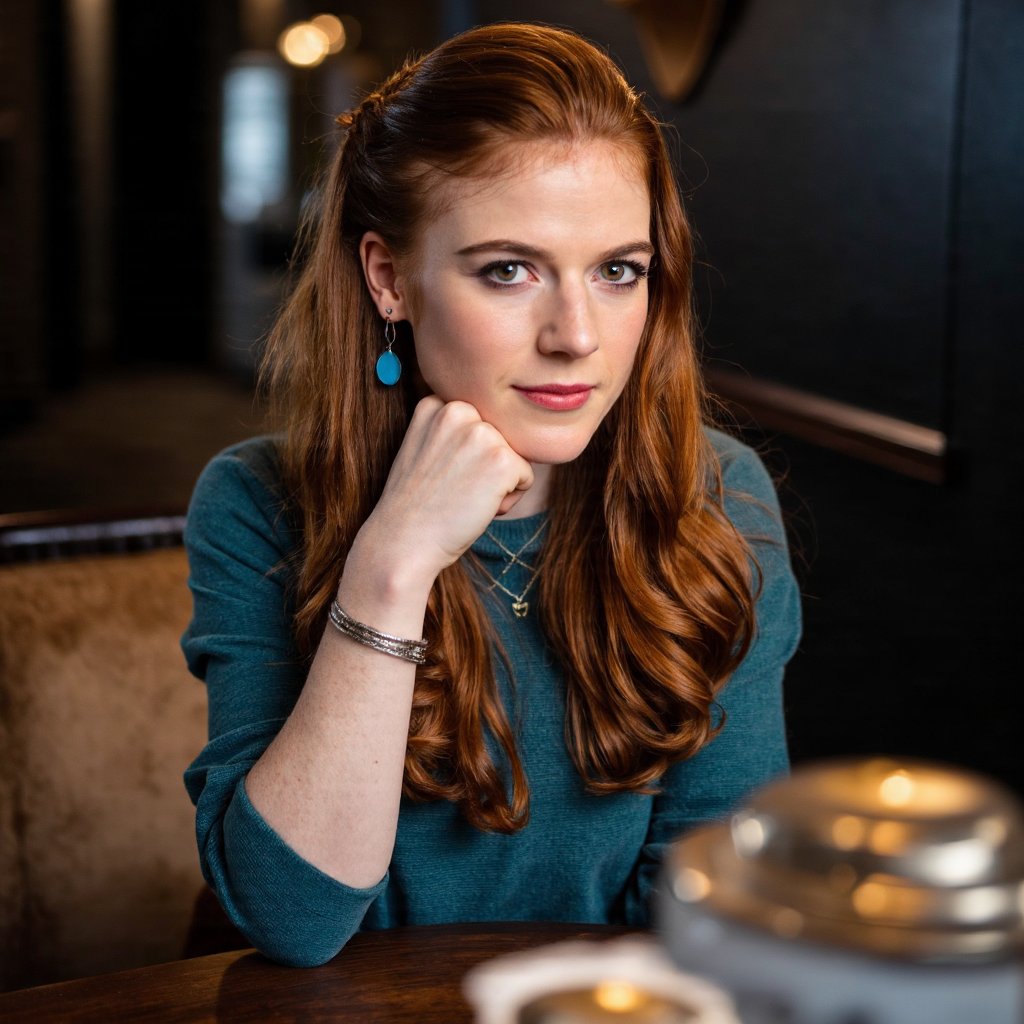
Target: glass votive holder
622	981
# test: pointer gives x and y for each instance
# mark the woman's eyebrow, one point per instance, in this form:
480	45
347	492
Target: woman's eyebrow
630	248
533	252
505	245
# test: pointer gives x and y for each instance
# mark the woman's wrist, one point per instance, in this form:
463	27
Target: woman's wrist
384	590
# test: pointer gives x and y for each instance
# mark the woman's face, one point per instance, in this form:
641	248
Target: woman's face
528	293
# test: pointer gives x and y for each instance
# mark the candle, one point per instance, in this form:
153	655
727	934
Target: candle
608	1002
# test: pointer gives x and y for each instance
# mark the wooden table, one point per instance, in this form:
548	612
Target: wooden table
402	975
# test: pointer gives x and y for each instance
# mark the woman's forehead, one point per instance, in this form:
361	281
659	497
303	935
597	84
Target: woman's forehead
575	204
516	159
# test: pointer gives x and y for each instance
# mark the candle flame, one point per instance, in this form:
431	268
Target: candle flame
617	996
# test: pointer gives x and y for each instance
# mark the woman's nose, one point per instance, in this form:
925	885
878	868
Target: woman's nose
569	325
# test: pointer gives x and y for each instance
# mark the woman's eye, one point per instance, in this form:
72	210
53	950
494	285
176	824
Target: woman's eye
505	273
622	272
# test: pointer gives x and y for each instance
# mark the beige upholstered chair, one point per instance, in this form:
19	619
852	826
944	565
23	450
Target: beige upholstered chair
98	719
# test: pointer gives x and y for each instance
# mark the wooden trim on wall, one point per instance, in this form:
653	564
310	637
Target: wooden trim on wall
899	445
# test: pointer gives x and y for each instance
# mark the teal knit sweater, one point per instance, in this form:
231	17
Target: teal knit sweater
581	858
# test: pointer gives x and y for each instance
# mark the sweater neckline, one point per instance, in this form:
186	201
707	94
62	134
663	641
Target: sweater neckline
514	534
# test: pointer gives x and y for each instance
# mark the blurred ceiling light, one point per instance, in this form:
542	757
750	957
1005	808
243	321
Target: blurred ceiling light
303	44
331	27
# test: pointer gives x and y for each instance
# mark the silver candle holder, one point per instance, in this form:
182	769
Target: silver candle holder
879	890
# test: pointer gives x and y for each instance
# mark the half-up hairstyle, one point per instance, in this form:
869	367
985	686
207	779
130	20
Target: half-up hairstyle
646	589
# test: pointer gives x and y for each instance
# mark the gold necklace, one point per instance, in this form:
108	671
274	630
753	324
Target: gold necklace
520	606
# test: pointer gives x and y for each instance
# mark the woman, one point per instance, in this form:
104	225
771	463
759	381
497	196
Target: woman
498	617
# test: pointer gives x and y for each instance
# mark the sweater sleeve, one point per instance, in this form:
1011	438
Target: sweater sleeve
239	642
751	748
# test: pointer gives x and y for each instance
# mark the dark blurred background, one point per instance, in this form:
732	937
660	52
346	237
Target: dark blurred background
854	174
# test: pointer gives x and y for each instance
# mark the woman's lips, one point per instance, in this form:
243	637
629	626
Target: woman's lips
559	397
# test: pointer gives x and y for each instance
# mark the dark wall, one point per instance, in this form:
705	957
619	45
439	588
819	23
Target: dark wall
827	133
165	168
912	592
22	146
854	173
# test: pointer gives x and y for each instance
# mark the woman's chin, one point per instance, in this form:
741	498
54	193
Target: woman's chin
549	452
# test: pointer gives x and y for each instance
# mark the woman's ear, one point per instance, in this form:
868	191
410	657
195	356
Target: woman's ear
382	276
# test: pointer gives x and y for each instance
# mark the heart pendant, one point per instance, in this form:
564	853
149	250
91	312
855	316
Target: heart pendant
520	608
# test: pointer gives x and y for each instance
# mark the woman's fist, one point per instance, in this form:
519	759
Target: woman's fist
452	475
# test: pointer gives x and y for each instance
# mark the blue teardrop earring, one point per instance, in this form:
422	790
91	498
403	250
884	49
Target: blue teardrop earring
389	369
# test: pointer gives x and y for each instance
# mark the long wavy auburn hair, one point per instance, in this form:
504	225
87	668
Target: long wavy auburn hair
646	589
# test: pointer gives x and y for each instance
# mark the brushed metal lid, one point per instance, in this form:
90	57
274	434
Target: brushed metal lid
891	856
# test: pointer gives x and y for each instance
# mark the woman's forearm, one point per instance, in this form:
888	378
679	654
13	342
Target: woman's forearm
330	783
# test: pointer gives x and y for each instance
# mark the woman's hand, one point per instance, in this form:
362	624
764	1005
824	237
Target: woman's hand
453	474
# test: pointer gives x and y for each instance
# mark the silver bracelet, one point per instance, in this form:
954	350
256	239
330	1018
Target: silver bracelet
398	647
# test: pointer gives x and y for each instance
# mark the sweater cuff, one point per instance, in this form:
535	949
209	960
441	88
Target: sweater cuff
288	908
